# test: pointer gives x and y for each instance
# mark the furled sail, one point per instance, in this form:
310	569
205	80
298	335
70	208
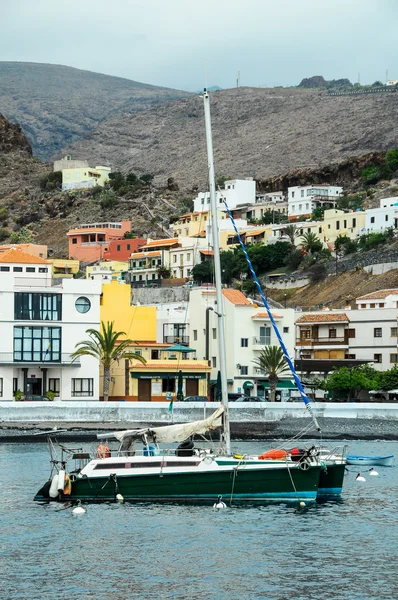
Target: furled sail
172	433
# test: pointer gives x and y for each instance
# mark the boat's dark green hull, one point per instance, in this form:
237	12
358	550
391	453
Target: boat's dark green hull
243	485
331	482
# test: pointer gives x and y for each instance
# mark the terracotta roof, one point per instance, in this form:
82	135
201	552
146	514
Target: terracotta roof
163	242
200	234
323	318
152	344
207	252
14	255
145	254
380	294
264	315
172	365
236	297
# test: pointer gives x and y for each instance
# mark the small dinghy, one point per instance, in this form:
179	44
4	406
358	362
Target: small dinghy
380	461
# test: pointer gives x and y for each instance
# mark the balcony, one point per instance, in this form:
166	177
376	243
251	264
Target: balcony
7	359
176	339
323	341
261	341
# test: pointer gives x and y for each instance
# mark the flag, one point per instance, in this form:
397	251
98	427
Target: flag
48	350
170	397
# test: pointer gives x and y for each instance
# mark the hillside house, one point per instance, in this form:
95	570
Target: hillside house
89	242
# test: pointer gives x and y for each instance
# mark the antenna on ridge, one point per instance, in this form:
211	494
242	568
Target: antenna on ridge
238	80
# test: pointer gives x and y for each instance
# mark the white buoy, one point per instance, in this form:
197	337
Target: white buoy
360	477
119	498
53	493
373	472
302	504
79	510
219	504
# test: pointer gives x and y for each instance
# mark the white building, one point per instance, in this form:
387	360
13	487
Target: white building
382	218
302	200
248	330
172	323
40	326
236	191
68	163
360	334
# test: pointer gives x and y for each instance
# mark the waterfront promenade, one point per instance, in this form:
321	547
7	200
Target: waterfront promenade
248	420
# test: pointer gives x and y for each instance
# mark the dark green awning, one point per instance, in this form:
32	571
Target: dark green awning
248	385
283	384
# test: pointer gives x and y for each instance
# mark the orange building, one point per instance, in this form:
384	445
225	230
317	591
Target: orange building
89	242
122	249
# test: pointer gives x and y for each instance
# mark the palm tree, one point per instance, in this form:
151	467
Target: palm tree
311	242
272	363
291	232
106	346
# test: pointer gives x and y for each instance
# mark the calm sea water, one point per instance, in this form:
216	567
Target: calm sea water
343	550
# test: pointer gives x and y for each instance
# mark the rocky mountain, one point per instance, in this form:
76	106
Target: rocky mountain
56	104
256	132
33	208
317	81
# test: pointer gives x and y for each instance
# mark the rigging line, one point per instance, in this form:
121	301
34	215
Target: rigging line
291	479
274	325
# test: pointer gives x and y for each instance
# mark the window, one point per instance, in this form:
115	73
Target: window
43	270
168	385
393	332
54	386
37	344
4	268
305	334
175	258
351	356
118	248
363	305
386	217
286	330
354	223
83	305
82	387
1	386
302	193
292	194
17	269
214	333
14	384
244	370
31	306
337	224
188	256
332	332
351	333
265	336
214	361
244	342
128	246
74	240
377	358
372	305
345	224
30	269
377	332
393	358
381	305
372	219
139	352
154	354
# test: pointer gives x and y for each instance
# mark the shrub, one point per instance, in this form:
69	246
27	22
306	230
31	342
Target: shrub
107	200
294	259
50	395
392	159
370	175
4	234
317	272
3	213
18	395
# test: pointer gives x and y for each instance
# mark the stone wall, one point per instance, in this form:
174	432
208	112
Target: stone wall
160	295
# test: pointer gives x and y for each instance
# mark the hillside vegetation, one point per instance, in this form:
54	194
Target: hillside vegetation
256	132
56	104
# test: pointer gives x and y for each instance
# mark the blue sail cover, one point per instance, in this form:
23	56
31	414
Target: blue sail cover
297	380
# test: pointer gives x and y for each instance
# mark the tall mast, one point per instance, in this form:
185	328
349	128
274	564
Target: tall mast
217	272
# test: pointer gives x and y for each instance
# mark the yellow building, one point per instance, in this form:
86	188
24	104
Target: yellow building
192	224
84	177
64	268
337	222
108	270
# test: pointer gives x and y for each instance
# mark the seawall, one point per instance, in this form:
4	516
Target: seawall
83	420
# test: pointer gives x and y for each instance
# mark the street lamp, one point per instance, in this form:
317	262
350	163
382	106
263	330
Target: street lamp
285	300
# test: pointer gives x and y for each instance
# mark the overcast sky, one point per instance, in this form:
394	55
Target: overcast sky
174	42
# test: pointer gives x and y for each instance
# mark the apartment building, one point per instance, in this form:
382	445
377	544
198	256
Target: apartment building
40	325
248	330
84	177
235	191
384	217
91	241
302	200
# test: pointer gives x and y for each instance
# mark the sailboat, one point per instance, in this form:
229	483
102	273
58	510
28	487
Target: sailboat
187	473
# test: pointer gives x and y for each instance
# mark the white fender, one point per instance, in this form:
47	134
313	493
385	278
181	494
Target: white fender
61	480
53	493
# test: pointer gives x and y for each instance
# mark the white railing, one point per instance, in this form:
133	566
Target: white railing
261	340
